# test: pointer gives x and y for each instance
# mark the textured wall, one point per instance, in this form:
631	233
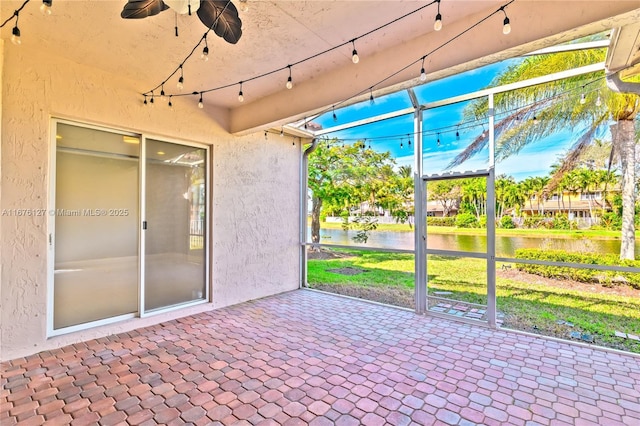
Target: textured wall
254	203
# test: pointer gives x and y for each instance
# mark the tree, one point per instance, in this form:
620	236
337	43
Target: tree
474	192
558	105
344	176
503	183
446	192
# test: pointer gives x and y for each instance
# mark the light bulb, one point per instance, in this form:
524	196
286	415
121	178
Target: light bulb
15	36
598	101
180	84
163	97
355	58
200	104
583	100
289	84
170	103
240	97
151	101
506	28
438	24
371	100
423	75
45	7
205	54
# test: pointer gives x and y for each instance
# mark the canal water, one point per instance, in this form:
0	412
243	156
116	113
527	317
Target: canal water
505	246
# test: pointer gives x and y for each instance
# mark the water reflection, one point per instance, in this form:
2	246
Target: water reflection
505	246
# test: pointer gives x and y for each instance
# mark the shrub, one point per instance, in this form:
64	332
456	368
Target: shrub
482	222
466	220
561	221
606	278
507	222
611	221
533	222
441	221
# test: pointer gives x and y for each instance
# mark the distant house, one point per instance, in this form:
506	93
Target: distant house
576	205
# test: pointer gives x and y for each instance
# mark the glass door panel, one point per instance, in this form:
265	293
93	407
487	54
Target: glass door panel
96	225
175	235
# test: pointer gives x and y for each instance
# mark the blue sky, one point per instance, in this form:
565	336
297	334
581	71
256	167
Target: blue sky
440	125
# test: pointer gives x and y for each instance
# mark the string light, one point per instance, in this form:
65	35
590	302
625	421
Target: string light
371	99
200	103
180	84
162	95
282	131
15	34
205	52
170	103
289	84
583	99
240	95
145	100
598	101
401	144
354	56
409	139
335	117
45	7
506	25
265	135
457	128
438	24
438	141
352	41
268	73
423	74
151	101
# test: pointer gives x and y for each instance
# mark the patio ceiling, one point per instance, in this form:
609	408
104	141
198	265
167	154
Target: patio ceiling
277	33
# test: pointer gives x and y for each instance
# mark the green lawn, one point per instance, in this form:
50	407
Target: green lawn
529	304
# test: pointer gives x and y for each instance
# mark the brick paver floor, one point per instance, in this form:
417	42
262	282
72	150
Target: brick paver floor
310	358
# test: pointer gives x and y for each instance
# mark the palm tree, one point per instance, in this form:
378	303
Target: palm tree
514	197
503	183
528	188
585	180
559	105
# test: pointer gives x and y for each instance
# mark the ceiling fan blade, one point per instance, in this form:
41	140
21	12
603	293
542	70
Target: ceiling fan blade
228	26
138	9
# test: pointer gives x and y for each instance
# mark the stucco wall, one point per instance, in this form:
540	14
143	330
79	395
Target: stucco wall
254	251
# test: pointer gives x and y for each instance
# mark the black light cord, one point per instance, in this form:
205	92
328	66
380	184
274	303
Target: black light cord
420	60
284	68
15	13
204	37
470	124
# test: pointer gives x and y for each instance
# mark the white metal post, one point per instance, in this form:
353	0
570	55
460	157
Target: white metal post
491	221
420	231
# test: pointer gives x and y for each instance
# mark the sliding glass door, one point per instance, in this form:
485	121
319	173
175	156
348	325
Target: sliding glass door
128	226
96	225
175	213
